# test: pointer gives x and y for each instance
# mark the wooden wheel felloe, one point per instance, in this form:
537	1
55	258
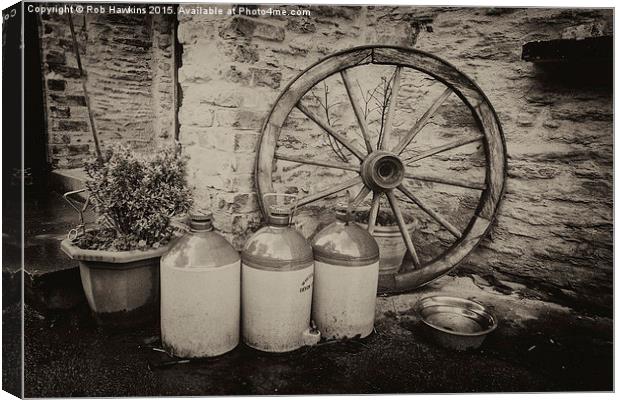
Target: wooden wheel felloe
383	169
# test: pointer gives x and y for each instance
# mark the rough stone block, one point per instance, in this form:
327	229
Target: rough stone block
164	42
236	203
68	100
239	119
54	30
551	124
78	112
246	53
251	27
525	120
59	138
266	77
301	25
245	163
245	224
245	142
165	66
218	139
55	58
220	163
222	222
215	182
349	12
247	119
64	71
215	94
56	84
196	115
71	150
68	125
78	149
163	23
73	86
238	182
60	112
238	75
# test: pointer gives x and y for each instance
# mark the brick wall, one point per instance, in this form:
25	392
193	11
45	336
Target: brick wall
128	60
553	232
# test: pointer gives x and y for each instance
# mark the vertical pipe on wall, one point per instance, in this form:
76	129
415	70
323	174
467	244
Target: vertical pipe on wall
83	79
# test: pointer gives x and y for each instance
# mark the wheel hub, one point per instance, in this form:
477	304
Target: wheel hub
382	170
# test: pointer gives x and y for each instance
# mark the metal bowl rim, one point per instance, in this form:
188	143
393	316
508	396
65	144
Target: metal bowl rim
482	310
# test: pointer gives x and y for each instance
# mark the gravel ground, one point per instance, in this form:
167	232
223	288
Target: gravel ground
11	349
67	355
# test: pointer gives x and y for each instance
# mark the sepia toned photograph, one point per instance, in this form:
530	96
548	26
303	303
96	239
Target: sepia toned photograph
225	199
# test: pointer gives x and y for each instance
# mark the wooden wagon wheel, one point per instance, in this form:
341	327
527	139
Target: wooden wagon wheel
382	170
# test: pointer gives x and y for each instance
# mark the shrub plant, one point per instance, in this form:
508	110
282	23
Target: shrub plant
135	196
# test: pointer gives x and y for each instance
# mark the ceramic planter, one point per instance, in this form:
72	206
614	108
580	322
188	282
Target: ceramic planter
392	247
122	287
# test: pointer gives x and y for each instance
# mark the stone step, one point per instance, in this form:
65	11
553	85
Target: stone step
51	279
66	180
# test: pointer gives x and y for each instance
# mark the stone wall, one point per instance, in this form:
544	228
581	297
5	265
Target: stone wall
554	230
129	64
553	234
233	69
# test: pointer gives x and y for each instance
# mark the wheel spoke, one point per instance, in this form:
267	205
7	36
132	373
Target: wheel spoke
403	227
359	198
327	164
374	211
446	181
387	124
329	191
441	149
421	123
361	120
325	126
441	220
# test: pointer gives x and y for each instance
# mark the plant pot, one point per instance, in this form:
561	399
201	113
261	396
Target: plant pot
392	247
122	287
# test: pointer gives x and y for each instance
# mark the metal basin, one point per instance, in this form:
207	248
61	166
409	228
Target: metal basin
456	323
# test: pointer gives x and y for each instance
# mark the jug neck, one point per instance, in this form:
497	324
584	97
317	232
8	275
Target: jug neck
201	222
279	220
279	215
343	216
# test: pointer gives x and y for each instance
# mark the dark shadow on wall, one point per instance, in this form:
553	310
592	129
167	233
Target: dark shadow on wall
589	75
35	151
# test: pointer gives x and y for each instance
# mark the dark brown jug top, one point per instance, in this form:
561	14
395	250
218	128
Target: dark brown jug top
345	243
277	246
202	247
